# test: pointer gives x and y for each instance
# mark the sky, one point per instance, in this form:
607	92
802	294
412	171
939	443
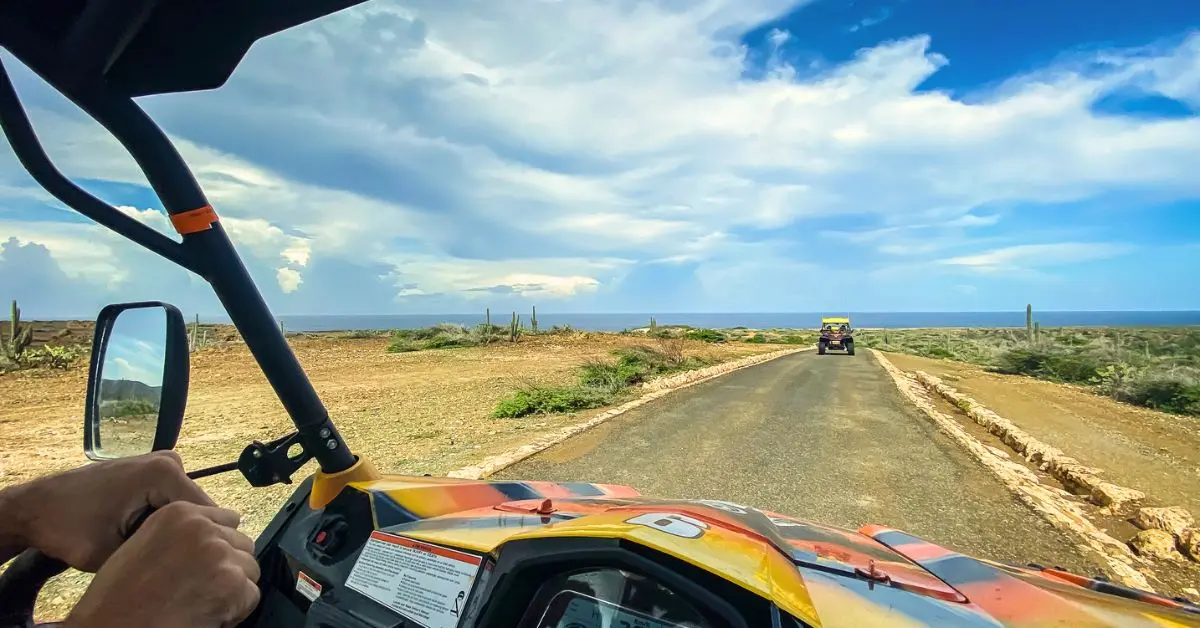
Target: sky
136	348
443	156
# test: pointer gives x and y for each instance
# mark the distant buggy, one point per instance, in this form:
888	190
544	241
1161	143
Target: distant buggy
836	334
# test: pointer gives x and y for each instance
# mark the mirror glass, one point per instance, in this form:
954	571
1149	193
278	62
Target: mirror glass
135	357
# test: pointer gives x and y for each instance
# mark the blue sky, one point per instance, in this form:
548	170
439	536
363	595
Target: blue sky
669	156
137	349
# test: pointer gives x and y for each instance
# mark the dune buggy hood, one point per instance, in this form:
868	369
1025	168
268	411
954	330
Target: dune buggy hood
822	575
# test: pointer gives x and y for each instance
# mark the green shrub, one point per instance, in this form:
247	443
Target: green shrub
1050	363
128	407
938	352
362	334
648	358
400	344
600	382
1113	379
549	400
441	336
757	339
446	341
809	338
609	376
704	335
1176	390
55	357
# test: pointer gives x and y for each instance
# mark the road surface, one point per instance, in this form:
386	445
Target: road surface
826	438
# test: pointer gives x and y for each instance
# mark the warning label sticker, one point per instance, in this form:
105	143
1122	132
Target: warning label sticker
308	587
426	583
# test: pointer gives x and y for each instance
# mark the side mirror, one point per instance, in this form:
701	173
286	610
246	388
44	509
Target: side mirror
137	381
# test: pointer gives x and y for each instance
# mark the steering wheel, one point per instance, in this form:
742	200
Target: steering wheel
20	584
25	577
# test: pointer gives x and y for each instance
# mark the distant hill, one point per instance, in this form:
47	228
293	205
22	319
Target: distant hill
122	389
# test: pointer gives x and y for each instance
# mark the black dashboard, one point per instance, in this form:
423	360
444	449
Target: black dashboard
312	576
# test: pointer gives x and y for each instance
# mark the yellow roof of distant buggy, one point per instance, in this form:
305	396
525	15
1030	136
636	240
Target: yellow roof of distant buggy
835	321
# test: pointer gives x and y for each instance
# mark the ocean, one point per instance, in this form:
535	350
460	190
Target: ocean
803	320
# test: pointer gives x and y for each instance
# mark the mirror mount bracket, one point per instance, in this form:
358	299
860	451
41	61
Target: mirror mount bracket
266	464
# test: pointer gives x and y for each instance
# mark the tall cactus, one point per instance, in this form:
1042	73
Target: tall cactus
1037	332
653	326
514	328
487	326
19	336
533	320
1029	322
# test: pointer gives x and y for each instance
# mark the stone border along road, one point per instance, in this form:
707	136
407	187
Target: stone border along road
1044	500
1114	499
655	389
1129	569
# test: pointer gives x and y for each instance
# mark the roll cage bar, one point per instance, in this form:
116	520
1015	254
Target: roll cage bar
100	54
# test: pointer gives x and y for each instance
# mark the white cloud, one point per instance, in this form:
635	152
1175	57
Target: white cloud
1038	255
79	249
423	275
289	279
127	370
550	146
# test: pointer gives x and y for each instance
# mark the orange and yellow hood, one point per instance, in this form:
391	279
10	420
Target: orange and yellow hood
822	575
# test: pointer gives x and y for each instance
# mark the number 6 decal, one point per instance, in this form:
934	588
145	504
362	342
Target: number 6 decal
671	523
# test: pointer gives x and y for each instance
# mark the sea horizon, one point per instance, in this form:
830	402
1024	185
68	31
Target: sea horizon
753	320
725	320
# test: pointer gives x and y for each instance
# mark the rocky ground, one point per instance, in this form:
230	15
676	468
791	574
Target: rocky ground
1133	473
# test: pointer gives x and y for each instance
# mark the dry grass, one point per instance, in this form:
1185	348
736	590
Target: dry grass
422	412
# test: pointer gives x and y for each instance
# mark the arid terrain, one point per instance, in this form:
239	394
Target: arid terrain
1155	452
428	401
417	412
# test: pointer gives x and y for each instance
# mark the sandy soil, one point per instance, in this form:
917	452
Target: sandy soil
1153	452
422	412
54	332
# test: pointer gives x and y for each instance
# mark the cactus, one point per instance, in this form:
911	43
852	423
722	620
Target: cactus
1037	332
195	334
514	328
533	320
19	336
653	326
487	329
1029	322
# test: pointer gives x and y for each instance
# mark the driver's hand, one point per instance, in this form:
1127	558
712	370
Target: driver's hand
186	567
82	516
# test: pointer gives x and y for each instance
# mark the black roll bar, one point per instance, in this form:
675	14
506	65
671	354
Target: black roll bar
207	252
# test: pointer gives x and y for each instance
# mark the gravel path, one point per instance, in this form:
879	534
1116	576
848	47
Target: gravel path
826	438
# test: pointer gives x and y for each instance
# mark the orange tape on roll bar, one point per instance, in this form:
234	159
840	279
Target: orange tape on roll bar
194	220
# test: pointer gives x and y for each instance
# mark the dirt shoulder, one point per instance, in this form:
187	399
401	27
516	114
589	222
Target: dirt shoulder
420	412
1150	451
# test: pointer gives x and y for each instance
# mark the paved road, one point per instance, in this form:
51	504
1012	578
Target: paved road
827	438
